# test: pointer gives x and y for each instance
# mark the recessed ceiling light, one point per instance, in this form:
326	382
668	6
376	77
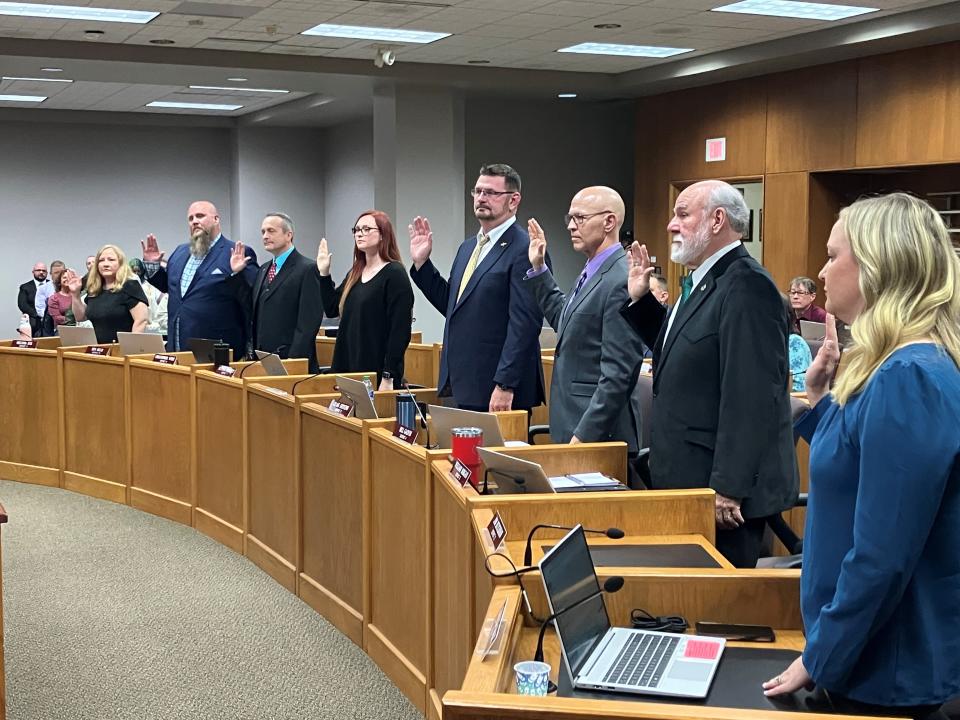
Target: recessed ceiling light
237	79
624	50
192	106
794	9
23	98
30	79
72	12
608	26
51	69
162	41
358	32
478	62
217	87
567	95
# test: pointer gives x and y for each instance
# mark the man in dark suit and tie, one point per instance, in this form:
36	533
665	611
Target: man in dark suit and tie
201	303
597	356
27	297
491	350
284	302
721	412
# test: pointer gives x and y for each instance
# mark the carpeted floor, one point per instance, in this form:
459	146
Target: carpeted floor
111	613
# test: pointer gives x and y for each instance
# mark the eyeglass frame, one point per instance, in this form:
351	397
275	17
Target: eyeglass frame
364	230
799	292
583	218
484	192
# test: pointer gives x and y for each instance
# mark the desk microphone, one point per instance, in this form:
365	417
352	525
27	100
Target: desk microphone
610	585
423	418
612	533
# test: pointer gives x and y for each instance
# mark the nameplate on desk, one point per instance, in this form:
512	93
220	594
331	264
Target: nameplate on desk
340	407
226	371
497	531
406	434
460	473
165	359
97	350
24	343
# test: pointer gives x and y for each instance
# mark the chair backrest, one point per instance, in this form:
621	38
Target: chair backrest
644	392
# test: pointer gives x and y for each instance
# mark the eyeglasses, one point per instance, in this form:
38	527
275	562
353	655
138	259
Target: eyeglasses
799	292
580	219
363	231
484	192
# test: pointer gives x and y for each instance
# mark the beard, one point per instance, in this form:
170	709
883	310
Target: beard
690	249
200	243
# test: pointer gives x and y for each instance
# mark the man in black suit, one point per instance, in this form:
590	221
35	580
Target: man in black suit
284	303
27	297
721	412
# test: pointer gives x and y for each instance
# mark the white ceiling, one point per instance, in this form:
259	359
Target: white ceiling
521	35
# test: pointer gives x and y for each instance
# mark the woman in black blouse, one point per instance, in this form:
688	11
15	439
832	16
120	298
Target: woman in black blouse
374	302
115	301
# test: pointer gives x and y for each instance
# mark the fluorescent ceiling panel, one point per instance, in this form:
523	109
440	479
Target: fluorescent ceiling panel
193	106
624	50
29	79
358	32
73	12
237	89
23	98
795	9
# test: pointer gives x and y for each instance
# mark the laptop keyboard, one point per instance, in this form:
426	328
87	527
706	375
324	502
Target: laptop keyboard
642	660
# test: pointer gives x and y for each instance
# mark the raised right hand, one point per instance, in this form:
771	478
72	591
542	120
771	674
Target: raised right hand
151	253
538	244
238	258
638	278
323	258
71	281
421	241
824	365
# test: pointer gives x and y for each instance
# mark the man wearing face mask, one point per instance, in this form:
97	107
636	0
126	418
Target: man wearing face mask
27	297
201	303
721	412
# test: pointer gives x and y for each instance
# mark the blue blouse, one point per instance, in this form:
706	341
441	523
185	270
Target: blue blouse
880	587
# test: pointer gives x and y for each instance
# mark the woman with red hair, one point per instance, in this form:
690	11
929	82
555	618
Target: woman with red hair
374	302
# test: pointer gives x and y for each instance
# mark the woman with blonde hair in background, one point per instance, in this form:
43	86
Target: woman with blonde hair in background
880	585
115	301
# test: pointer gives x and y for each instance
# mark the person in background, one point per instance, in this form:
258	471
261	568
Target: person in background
27	297
58	304
880	584
803	291
115	301
658	288
374	302
156	300
47	326
799	350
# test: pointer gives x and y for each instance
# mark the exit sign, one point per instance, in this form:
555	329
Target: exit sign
716	149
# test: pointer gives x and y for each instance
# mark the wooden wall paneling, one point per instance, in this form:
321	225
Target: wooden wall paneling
421	364
812	118
785	201
823	206
541	413
907	107
30	438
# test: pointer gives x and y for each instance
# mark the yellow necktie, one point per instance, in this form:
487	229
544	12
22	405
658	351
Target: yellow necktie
472	264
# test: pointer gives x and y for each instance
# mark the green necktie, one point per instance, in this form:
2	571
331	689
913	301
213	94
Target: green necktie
686	286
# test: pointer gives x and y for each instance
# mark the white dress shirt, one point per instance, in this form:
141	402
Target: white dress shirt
495	235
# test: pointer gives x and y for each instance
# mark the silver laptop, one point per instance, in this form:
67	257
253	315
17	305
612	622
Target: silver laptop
71	336
140	343
810	330
357	392
271	362
445	419
513	475
600	657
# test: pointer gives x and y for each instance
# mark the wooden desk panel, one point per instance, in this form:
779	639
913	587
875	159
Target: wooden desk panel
333	498
421	363
219	509
162	430
30	426
273	513
541	414
96	436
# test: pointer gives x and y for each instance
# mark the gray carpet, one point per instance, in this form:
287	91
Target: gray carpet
113	613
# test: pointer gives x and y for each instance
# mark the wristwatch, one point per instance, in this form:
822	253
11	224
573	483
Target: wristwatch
386	376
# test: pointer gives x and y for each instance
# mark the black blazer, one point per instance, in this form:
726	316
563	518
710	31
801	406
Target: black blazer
284	315
27	299
721	411
492	333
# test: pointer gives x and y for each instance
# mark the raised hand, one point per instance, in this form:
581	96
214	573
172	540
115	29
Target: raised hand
323	258
151	253
538	244
638	279
71	281
238	258
824	365
421	241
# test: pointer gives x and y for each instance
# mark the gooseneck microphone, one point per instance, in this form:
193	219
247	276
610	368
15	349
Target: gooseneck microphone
612	533
610	585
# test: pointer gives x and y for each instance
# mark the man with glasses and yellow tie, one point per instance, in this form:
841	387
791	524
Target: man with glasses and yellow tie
491	350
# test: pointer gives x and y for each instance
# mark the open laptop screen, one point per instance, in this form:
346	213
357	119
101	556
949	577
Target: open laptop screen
568	576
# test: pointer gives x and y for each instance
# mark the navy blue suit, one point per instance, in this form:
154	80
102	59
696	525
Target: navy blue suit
492	334
209	308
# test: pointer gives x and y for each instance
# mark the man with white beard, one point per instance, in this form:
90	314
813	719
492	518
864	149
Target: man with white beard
201	304
721	412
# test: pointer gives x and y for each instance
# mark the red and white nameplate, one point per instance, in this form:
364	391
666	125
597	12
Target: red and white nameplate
497	531
405	434
24	343
165	359
340	407
97	350
226	371
460	473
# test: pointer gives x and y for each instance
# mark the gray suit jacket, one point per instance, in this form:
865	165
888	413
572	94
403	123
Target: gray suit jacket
598	357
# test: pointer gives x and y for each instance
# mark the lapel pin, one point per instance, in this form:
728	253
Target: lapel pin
703	287
503	244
